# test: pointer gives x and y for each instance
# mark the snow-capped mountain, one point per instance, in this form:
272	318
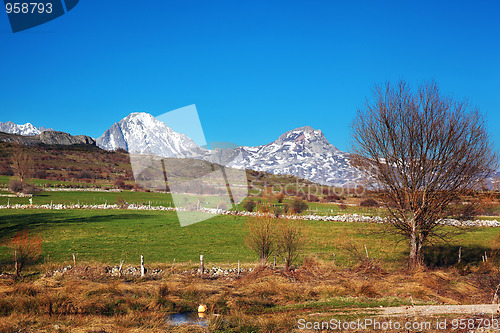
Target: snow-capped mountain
142	133
303	152
26	129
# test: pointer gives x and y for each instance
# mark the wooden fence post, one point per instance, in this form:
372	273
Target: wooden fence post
173	264
120	269
74	260
202	266
142	266
15	260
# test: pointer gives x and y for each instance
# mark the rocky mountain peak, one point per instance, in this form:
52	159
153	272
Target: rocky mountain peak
142	133
303	152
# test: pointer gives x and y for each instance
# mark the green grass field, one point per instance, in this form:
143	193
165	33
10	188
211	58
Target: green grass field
108	236
94	198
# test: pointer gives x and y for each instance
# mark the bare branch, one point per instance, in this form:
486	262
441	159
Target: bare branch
422	150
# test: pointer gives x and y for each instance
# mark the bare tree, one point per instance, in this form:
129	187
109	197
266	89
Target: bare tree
22	163
422	150
290	240
261	237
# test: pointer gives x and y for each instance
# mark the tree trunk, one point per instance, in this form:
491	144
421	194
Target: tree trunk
415	260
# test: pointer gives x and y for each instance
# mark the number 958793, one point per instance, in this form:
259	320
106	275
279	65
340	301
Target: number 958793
28	8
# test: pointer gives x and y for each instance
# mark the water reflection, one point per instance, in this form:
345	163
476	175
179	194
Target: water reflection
190	318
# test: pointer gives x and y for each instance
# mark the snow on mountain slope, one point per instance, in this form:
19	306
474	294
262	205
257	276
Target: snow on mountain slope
142	133
303	152
26	129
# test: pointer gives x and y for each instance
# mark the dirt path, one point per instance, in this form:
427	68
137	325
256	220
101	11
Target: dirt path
426	310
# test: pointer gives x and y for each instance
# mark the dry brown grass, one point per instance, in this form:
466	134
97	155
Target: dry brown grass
266	300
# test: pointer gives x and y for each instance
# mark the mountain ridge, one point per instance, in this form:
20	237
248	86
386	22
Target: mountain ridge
49	138
303	152
27	129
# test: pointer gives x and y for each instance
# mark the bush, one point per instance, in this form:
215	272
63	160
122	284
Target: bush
369	203
6	171
263	207
26	248
121	202
286	208
119	183
312	198
40	174
84	174
331	198
261	237
290	240
249	205
16	186
31	189
280	197
299	205
277	211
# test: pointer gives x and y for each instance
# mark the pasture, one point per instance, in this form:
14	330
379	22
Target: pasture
109	236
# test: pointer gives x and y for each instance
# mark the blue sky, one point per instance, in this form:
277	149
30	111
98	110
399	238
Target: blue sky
254	69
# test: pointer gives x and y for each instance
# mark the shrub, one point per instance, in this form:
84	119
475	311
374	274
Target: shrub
312	198
31	189
121	202
26	248
280	197
84	174
261	237
277	211
369	203
119	183
16	186
331	197
249	205
41	174
263	207
290	240
286	208
6	171
299	205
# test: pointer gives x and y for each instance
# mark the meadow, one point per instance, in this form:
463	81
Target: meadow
109	236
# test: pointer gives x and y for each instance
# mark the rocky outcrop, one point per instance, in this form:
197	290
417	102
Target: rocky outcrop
65	139
49	138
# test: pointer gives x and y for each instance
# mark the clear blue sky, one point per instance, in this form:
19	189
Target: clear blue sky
254	69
